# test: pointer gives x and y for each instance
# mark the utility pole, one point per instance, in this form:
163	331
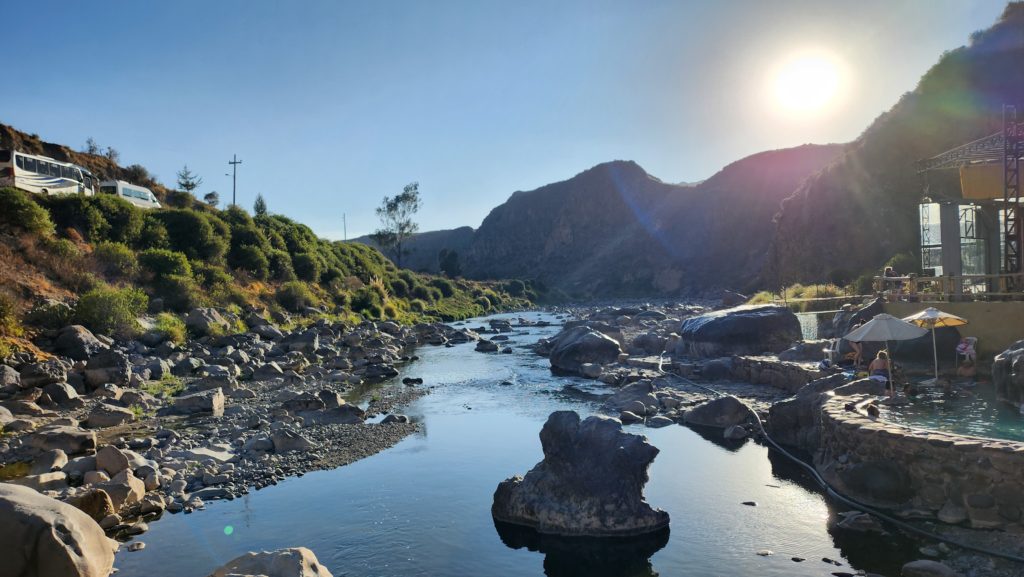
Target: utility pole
344	226
234	162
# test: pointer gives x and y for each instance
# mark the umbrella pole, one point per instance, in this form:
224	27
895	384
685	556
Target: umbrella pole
935	355
888	363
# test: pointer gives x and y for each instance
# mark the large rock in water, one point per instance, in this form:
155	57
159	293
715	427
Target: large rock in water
294	562
1008	374
590	482
723	412
572	348
745	330
44	537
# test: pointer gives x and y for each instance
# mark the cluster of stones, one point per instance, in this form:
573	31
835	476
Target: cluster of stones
256	408
789	376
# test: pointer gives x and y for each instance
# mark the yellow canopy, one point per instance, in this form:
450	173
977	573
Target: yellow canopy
981	181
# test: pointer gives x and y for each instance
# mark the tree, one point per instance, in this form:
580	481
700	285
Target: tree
92	147
212	198
112	155
397	226
259	208
448	262
188	181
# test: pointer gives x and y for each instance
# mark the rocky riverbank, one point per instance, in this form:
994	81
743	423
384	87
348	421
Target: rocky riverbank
125	431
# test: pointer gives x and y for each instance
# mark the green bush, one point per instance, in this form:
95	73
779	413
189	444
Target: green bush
444	285
78	213
153	235
116	259
418	306
295	296
366	298
423	293
171	327
61	247
250	259
399	288
905	263
19	211
307	267
179	293
163	263
111	311
125	220
865	284
9	325
195	234
390	311
516	288
210	275
484	302
280	265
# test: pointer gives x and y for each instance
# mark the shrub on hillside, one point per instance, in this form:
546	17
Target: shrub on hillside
18	211
483	302
211	275
50	315
171	327
78	213
153	235
125	220
295	296
444	285
280	265
9	326
905	263
399	288
418	306
194	234
423	293
516	288
365	299
61	247
250	259
111	311
115	259
179	292
307	267
162	263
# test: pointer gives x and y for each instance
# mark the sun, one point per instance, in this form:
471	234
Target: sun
808	82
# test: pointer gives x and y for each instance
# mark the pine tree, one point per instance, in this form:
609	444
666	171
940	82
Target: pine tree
259	208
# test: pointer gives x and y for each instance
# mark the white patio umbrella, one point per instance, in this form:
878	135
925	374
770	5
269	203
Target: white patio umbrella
886	328
930	318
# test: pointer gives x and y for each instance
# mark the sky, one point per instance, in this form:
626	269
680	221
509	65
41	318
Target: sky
333	105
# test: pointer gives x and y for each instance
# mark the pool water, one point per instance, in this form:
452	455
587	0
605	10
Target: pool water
970	410
423	507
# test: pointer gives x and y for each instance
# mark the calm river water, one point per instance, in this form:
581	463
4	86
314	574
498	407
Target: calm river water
423	507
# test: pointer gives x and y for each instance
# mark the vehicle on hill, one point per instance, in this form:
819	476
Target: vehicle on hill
44	175
140	196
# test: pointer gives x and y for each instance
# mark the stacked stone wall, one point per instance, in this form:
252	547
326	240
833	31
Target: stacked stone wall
953	478
785	375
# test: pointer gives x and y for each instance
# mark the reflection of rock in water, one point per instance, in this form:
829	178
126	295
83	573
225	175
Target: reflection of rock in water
717	437
587	556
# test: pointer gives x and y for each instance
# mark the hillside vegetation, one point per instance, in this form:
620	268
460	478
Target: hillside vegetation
862	210
101	262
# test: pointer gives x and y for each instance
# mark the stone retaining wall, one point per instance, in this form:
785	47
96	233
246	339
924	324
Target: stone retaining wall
952	478
785	375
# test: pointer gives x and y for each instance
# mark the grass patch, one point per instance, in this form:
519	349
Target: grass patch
168	386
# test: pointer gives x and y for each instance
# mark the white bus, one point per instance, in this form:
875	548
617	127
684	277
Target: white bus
140	196
44	175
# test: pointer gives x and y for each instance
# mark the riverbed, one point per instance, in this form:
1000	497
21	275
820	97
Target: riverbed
423	506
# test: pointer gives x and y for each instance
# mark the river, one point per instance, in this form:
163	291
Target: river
423	506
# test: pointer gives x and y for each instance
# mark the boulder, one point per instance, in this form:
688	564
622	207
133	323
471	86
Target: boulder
1008	374
305	342
205	321
77	342
42	374
49	462
44	537
723	412
108	366
303	402
590	482
805	351
125	489
105	415
61	393
485	346
9	377
95	503
742	330
111	460
347	414
71	440
927	568
294	562
211	401
287	440
267	332
55	481
574	347
640	391
796	421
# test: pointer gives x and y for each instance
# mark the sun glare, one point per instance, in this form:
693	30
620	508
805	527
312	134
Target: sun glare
807	83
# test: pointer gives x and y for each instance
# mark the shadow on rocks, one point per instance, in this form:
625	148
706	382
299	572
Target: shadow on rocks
587	556
716	437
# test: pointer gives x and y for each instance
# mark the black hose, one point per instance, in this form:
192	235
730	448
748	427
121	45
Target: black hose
839	496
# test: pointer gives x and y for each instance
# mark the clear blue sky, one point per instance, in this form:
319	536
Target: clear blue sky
332	105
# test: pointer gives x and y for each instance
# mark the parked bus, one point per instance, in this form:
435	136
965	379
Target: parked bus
140	196
44	175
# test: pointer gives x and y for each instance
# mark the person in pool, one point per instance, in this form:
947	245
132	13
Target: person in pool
880	367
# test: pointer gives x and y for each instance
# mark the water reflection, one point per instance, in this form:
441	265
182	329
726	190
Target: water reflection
717	437
587	556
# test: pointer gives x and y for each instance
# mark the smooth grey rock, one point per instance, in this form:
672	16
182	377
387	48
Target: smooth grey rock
590	482
111	460
211	401
740	330
42	374
722	412
927	568
49	462
287	440
71	440
78	343
108	366
45	537
574	347
294	562
104	415
204	321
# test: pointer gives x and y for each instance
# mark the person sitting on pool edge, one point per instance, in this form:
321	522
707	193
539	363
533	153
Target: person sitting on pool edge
880	367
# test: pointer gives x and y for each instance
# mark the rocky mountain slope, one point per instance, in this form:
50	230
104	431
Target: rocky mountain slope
616	230
863	209
423	248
